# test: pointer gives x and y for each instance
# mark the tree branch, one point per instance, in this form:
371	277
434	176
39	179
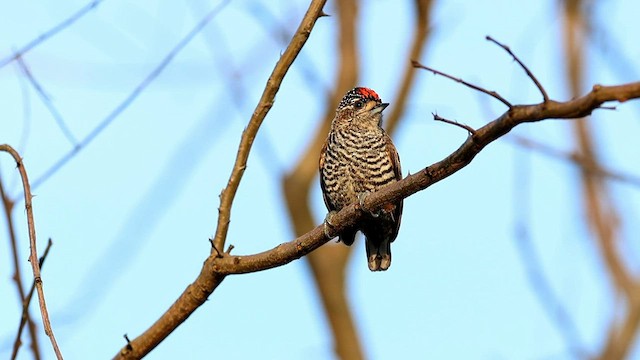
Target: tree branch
493	94
207	281
51	32
24	318
328	264
350	215
133	95
545	97
17	276
33	257
260	112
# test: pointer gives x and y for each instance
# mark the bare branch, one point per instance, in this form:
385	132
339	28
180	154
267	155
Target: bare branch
437	117
328	263
197	292
17	278
51	32
62	161
493	94
351	215
25	305
545	97
47	102
264	105
33	257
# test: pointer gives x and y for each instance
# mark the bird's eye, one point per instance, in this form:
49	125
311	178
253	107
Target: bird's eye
358	104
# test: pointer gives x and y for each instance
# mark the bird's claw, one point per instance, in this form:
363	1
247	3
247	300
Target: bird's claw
361	199
327	225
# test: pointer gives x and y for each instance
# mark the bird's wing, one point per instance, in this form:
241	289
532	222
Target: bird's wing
397	169
323	186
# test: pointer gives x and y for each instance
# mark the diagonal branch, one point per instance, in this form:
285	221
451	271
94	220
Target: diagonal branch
260	112
350	215
545	97
197	292
493	94
47	102
51	32
17	275
33	257
24	318
133	95
328	264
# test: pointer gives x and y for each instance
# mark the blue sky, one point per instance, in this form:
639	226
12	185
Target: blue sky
131	213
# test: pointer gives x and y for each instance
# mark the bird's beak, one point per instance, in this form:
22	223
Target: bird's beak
379	107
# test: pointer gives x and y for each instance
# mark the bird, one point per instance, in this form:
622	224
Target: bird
358	158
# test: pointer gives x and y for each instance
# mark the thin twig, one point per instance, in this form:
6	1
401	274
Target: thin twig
207	281
437	117
493	94
33	257
131	97
51	32
25	304
17	277
260	112
47	102
545	97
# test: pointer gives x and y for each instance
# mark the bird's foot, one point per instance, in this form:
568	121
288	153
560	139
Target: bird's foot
328	225
361	199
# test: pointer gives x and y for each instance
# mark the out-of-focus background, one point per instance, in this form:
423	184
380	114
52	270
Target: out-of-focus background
128	128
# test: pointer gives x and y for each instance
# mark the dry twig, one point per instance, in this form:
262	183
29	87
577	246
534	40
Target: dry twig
25	307
545	97
17	276
33	257
493	94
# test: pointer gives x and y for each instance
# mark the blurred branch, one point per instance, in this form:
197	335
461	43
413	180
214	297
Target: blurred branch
328	263
132	96
601	211
420	35
47	102
17	276
25	306
541	287
51	32
33	257
207	281
577	159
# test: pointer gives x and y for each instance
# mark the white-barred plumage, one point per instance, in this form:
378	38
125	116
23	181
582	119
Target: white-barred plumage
358	158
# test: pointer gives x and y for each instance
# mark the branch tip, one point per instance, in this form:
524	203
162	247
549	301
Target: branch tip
129	347
493	94
543	92
469	129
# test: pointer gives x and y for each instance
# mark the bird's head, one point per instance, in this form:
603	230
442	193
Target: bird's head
360	107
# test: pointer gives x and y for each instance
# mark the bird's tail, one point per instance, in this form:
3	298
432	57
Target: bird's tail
378	254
